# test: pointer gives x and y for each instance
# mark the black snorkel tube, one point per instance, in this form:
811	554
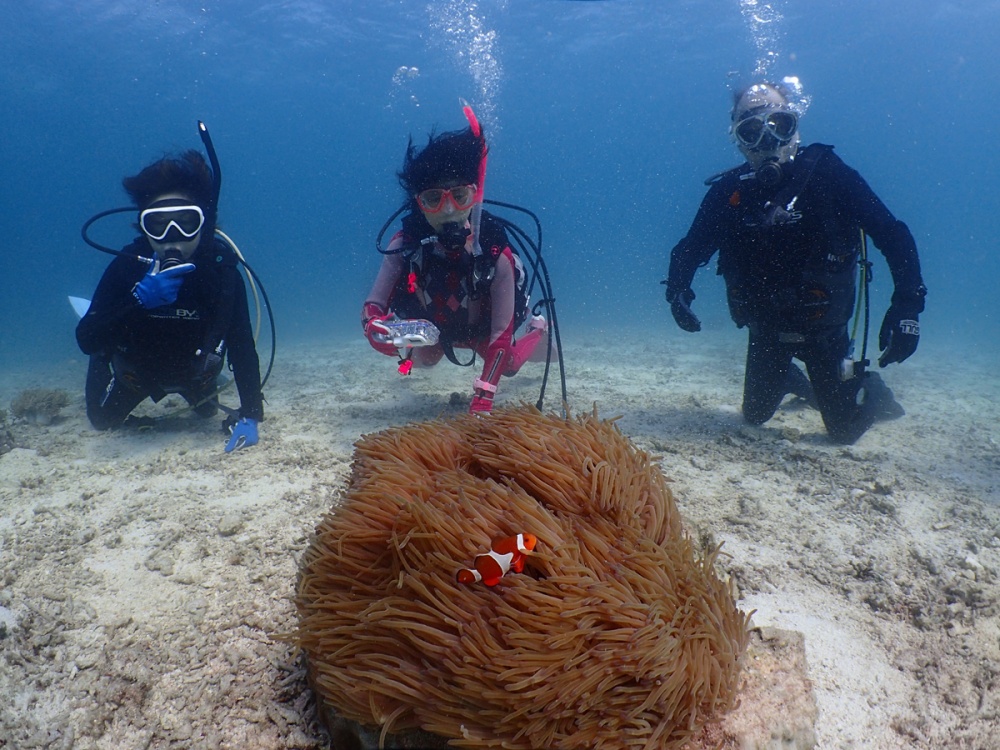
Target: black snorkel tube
213	159
213	210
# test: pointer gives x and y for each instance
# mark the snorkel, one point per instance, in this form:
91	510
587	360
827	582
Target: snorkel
213	210
477	210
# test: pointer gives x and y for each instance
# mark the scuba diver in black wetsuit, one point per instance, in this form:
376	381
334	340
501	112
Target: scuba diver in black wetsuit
171	307
790	227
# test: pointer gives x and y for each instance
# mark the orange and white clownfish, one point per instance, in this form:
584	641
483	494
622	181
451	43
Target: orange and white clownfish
505	554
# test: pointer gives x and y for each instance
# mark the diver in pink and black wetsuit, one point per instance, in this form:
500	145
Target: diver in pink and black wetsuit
452	264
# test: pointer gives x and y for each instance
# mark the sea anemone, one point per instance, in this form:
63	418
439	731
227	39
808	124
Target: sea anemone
617	634
39	405
6	437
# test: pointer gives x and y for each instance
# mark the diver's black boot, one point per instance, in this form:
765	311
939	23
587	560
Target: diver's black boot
878	397
203	408
208	409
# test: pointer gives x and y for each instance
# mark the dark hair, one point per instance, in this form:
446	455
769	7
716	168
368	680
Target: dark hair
187	174
450	156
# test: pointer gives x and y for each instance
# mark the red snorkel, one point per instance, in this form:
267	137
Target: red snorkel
477	210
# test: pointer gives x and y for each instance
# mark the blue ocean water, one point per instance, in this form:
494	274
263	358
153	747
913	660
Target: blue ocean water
604	117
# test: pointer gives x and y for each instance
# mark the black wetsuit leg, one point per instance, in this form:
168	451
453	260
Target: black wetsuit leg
108	401
844	418
765	380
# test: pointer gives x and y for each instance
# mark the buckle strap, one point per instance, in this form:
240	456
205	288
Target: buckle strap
485	385
790	337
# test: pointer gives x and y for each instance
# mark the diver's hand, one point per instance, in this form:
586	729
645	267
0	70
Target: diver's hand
244	434
372	316
899	335
680	308
158	288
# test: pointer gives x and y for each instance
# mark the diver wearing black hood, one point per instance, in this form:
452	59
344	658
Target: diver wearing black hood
171	307
790	227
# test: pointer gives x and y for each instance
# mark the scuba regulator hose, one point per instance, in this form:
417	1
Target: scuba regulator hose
540	273
864	291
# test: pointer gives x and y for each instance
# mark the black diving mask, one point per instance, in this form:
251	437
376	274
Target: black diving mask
779	124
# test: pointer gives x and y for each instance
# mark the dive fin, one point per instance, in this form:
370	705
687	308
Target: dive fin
80	305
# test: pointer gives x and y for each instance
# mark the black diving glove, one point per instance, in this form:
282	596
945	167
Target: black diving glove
900	332
680	308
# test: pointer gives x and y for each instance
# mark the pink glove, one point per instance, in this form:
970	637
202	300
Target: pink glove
482	400
371	317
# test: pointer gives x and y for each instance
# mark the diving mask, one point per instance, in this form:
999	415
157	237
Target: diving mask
156	222
780	124
432	200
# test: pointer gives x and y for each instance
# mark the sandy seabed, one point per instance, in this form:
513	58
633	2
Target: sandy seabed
145	574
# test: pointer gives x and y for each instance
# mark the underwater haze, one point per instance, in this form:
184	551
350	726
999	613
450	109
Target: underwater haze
604	117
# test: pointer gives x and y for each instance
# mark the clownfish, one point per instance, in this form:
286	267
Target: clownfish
505	554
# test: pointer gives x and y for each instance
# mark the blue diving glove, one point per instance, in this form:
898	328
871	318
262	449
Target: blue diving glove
158	288
244	434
